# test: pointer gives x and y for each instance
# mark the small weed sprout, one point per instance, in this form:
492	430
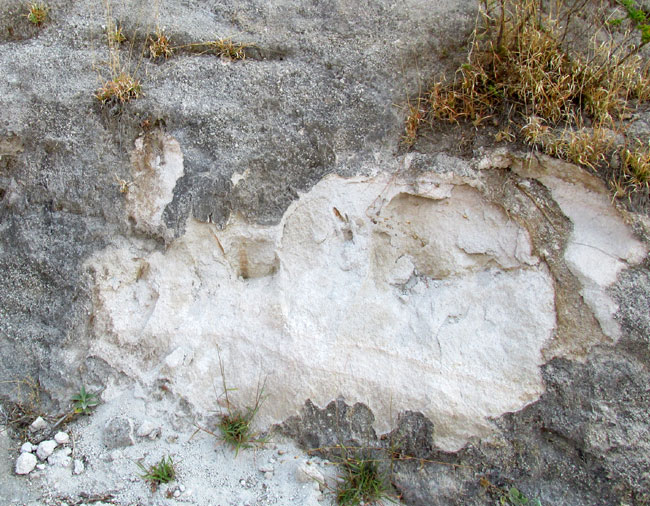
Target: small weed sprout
159	46
123	184
115	35
515	498
361	483
38	13
162	472
508	496
84	401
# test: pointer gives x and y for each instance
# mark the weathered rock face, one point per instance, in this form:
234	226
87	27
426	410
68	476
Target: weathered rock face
257	213
383	291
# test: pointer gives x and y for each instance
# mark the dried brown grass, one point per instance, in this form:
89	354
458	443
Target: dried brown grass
526	73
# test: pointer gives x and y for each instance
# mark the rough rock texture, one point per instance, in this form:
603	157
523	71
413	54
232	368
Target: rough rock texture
255	220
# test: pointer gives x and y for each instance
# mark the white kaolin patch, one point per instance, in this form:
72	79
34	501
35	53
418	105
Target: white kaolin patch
420	296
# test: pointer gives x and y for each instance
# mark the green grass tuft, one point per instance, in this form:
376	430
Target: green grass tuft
361	482
162	472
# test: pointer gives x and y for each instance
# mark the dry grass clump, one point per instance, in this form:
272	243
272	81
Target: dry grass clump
636	167
228	49
119	90
159	46
37	14
224	48
528	72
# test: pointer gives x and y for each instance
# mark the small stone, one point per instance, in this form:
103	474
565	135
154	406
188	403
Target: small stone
45	449
38	424
281	452
118	432
40	467
115	455
177	493
148	429
266	469
306	473
27	447
78	467
26	463
60	458
242	483
268	475
61	438
181	487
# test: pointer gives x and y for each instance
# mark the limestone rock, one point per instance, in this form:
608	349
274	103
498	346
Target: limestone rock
45	449
118	432
307	473
62	438
27	447
148	429
78	466
38	425
26	463
61	458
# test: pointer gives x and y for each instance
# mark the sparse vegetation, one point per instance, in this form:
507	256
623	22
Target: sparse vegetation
27	407
361	483
159	46
83	401
162	472
236	425
115	35
38	13
558	76
508	496
224	48
121	89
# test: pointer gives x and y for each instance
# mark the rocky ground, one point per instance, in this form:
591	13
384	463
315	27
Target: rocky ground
95	461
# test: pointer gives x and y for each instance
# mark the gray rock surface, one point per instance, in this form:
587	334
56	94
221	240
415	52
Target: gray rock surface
118	432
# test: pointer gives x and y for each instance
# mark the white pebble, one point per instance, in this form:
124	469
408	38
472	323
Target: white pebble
38	424
266	469
45	449
306	473
40	467
61	438
181	487
148	429
27	447
79	467
268	475
26	463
